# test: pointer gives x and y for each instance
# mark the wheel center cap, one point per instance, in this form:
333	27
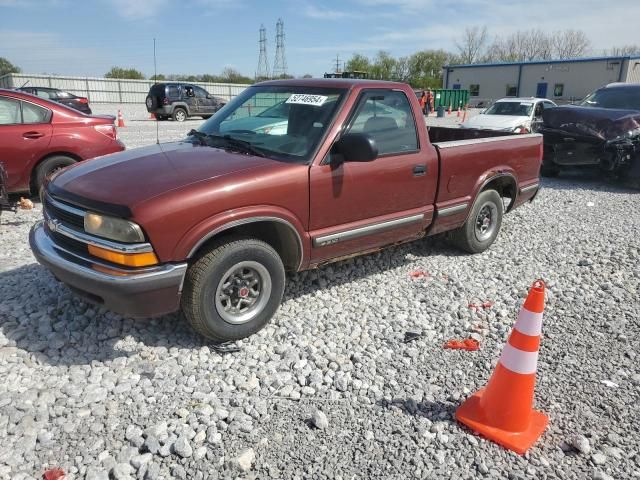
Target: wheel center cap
243	292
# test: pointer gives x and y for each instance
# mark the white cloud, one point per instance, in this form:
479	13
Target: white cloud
314	12
137	9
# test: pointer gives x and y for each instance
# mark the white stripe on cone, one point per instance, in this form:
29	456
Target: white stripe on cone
529	323
519	361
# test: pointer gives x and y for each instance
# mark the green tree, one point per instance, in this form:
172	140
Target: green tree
383	66
425	68
358	63
127	73
7	67
307	75
231	75
158	78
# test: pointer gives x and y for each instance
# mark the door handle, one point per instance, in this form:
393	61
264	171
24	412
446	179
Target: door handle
419	170
33	134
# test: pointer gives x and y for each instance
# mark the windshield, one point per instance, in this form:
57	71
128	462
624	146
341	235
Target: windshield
623	98
282	122
517	109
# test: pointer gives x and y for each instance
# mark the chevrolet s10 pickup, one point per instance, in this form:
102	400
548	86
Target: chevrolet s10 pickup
288	176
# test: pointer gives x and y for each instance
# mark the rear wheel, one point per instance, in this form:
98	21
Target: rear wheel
179	114
483	224
49	166
233	289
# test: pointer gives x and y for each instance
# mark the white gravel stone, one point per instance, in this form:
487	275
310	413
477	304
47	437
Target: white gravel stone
581	444
320	420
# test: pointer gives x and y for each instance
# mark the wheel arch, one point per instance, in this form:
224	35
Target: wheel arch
505	183
34	169
277	232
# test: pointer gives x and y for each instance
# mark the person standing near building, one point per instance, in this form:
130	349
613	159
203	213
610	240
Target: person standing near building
423	102
428	103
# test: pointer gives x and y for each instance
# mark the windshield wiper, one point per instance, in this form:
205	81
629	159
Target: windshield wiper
227	141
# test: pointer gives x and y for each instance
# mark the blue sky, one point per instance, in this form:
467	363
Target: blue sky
87	37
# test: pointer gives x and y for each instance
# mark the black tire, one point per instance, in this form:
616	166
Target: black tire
202	296
180	114
151	102
476	235
206	117
50	165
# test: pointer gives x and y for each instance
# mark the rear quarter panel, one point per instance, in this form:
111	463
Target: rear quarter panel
467	166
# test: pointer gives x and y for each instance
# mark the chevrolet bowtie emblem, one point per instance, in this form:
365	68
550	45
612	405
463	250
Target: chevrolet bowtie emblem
53	224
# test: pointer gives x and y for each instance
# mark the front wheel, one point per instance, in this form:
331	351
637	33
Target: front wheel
483	224
233	289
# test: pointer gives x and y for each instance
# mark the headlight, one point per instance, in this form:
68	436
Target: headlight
112	228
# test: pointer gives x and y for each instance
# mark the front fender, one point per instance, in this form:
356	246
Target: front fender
200	233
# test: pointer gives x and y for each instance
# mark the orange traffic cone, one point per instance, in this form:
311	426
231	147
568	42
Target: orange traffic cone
449	109
152	116
458	111
502	411
464	117
120	120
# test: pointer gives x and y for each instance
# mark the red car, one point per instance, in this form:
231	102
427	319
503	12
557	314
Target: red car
38	136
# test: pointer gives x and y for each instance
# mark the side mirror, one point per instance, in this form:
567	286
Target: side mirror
355	147
209	96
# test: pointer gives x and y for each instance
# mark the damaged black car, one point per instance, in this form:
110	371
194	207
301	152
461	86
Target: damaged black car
602	131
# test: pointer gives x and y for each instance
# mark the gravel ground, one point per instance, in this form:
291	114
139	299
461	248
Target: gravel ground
329	389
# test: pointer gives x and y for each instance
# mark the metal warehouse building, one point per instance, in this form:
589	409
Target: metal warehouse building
557	80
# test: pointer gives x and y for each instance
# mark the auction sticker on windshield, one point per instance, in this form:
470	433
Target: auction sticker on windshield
306	99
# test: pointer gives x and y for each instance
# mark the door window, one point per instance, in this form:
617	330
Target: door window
9	111
34	114
188	91
386	116
200	92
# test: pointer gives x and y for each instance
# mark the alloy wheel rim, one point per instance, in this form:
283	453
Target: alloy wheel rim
485	223
243	292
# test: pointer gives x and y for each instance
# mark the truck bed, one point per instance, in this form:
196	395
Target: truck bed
446	134
467	157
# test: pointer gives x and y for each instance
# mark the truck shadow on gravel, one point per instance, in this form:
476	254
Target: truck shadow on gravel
40	316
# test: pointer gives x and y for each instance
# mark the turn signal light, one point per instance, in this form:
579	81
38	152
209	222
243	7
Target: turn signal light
127	259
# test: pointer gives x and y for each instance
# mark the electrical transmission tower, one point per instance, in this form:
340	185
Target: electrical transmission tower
280	63
263	63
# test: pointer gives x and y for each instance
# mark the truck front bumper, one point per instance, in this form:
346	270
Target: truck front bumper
145	292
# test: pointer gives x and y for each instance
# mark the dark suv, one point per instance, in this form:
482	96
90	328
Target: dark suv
181	100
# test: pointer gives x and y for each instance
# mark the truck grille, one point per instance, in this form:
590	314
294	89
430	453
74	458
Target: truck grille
68	215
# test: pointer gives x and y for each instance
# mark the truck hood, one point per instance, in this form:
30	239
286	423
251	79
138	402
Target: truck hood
496	122
134	176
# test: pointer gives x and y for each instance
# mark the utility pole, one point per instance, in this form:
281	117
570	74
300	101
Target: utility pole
337	63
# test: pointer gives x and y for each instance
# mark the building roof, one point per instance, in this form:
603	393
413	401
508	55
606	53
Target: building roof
543	62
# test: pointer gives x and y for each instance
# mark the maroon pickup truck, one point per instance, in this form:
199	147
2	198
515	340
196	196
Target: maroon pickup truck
289	175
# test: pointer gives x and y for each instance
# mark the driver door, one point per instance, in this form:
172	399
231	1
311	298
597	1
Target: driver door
358	206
